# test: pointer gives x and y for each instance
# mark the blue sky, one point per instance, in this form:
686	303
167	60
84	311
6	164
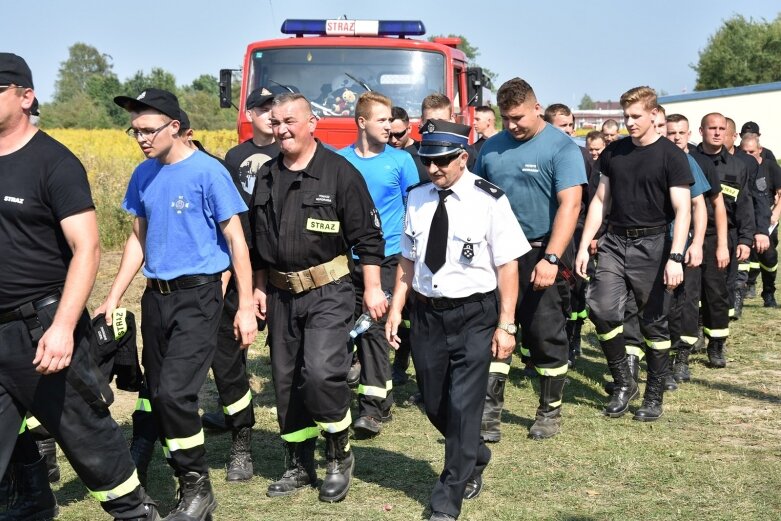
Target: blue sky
564	49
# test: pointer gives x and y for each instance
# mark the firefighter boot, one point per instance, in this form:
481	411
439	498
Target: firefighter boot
625	389
681	366
48	449
492	409
141	449
354	374
716	353
149	508
739	296
634	369
573	334
651	409
196	499
32	499
300	471
548	419
670	383
340	463
240	462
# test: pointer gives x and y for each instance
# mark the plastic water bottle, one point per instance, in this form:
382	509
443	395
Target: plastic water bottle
365	321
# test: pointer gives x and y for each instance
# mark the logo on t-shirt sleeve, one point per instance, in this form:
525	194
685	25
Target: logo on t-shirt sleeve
180	204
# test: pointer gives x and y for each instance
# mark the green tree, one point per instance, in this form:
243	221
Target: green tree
472	52
78	111
84	63
741	52
586	103
157	78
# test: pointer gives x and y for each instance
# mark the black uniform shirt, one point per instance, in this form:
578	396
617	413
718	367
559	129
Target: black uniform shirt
758	187
308	217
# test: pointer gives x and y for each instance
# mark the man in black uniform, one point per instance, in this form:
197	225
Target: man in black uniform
310	206
645	183
47	217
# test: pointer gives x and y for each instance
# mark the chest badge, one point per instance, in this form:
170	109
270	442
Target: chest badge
180	204
468	251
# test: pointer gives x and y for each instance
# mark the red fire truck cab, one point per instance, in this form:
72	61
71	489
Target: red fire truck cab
332	62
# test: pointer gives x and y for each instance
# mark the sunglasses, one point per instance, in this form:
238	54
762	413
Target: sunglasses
441	162
399	135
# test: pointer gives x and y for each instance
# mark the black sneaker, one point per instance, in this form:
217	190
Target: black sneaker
770	301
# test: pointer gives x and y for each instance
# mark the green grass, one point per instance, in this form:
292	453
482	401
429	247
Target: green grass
714	455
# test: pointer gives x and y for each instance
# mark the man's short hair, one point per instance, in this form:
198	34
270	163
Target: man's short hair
436	101
400	114
644	95
708	115
661	110
594	135
677	118
486	109
749	136
731	124
551	111
363	107
290	97
514	92
610	123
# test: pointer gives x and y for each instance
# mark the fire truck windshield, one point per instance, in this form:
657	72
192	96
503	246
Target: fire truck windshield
332	78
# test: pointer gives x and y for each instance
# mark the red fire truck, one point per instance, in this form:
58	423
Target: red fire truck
333	61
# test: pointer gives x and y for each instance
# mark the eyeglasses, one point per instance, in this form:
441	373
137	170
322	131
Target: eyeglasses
399	135
441	162
4	88
145	133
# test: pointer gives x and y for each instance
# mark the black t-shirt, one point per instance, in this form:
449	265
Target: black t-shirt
422	170
640	179
41	184
247	158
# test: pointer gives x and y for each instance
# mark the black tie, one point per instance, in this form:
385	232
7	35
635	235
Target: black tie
437	238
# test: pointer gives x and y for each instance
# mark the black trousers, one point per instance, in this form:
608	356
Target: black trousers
180	338
451	350
767	264
633	336
636	265
65	405
732	272
715	300
375	389
685	309
310	358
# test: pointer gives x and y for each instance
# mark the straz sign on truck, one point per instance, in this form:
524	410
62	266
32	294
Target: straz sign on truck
332	62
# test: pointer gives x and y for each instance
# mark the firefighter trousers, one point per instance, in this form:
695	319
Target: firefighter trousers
714	297
310	358
685	309
451	351
72	405
180	337
767	264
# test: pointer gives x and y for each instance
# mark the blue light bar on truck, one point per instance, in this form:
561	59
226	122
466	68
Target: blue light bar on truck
354	27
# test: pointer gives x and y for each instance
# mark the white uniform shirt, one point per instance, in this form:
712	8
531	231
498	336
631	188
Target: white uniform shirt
483	233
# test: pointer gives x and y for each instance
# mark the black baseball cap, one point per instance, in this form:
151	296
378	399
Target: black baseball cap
441	138
14	70
156	99
749	127
262	95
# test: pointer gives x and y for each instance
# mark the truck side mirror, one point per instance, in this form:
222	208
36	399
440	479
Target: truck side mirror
226	78
474	86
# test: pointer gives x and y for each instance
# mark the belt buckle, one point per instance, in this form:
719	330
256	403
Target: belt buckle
632	233
163	286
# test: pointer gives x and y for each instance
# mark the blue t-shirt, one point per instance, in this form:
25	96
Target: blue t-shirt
388	175
532	173
701	184
183	204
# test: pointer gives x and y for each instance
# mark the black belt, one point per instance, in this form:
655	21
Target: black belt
37	305
183	282
634	233
440	303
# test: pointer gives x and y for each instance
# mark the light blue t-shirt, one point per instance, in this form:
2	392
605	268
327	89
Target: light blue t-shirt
532	173
183	204
388	175
701	184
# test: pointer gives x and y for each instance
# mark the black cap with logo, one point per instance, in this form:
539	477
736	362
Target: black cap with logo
749	127
156	99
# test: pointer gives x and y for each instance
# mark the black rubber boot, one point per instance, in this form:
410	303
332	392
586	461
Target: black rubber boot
300	469
681	366
651	409
716	353
31	497
240	462
669	380
48	449
340	463
625	389
490	426
547	422
634	369
196	499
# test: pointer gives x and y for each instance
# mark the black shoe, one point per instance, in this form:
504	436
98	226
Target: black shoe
31	497
681	366
48	449
240	462
415	398
354	374
473	487
196	499
751	291
670	383
738	303
150	513
625	388
366	427
340	463
770	301
399	377
651	409
441	516
214	420
716	353
300	472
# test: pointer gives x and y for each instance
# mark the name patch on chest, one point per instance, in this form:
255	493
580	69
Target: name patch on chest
316	225
730	191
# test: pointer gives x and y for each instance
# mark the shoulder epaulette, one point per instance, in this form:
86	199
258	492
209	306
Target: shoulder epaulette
422	183
489	188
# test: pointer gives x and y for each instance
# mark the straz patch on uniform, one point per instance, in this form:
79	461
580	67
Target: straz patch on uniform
316	225
730	191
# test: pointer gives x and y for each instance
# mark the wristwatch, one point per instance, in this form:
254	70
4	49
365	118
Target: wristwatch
552	258
676	257
508	327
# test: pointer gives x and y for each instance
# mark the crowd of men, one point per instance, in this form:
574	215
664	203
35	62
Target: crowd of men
459	253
